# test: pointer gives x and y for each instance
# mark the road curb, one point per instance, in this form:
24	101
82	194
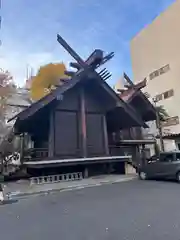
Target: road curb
69	188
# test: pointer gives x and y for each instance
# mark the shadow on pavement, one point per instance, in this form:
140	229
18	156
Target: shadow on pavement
9	201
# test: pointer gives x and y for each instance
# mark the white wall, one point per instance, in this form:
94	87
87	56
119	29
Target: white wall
154	47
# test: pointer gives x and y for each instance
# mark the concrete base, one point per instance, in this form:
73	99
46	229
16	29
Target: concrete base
18	190
129	169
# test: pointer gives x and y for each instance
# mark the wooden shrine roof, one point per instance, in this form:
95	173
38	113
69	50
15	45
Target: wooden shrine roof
134	96
87	70
80	76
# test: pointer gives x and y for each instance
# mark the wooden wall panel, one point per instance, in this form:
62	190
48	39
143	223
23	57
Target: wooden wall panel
70	100
95	135
97	99
93	103
66	134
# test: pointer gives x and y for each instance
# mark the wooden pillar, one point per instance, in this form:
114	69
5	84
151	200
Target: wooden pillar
133	153
86	173
106	144
83	131
22	136
136	158
143	155
51	136
2	163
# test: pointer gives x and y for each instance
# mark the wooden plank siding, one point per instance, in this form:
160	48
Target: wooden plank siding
79	126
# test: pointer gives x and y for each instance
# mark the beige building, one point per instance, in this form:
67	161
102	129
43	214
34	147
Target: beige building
155	53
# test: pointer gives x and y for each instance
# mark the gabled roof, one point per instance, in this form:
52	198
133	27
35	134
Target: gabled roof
47	99
132	92
146	109
127	94
80	76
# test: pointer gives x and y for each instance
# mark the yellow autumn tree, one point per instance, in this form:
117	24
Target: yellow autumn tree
47	78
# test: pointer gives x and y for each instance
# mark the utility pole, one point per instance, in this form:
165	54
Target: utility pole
159	126
27	72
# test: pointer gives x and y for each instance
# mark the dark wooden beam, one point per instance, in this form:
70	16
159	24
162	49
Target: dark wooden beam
75	65
66	46
64	80
128	86
51	136
102	71
22	147
69	73
128	80
83	129
95	58
102	74
108	76
138	86
106	143
121	90
106	58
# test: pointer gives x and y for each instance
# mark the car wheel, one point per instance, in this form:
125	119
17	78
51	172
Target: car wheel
143	176
178	177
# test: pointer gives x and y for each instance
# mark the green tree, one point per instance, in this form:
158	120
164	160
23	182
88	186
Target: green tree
163	115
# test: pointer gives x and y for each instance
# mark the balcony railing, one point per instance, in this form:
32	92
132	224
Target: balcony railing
133	134
42	154
126	135
35	153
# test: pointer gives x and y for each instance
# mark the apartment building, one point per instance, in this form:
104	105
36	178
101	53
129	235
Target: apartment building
155	54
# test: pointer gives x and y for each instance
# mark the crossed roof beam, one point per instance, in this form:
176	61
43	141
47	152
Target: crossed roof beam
93	62
130	85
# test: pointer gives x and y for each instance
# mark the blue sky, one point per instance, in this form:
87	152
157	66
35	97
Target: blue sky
29	29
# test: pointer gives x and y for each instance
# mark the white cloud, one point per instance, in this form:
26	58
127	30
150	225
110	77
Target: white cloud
106	27
17	62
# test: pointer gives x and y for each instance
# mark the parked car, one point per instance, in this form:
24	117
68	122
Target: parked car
166	165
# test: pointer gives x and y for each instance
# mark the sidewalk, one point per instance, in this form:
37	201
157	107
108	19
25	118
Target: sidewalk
23	188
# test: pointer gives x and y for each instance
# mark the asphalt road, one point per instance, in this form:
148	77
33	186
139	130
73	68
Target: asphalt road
125	211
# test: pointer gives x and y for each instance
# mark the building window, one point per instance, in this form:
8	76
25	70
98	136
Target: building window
168	94
154	74
160	71
164	69
159	97
164	95
171	121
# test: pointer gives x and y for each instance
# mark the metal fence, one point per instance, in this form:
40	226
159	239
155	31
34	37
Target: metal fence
56	178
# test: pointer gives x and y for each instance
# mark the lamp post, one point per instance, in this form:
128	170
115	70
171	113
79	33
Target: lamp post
158	125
